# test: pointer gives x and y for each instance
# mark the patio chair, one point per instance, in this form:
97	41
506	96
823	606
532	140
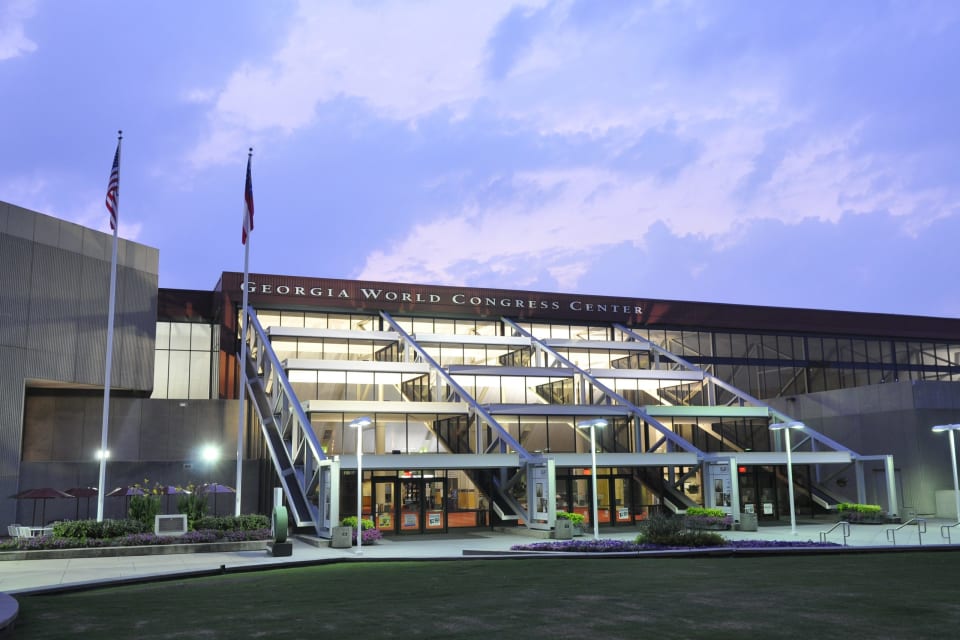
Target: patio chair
13	530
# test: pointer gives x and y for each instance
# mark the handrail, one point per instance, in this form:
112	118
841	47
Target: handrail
282	418
945	531
921	529
845	528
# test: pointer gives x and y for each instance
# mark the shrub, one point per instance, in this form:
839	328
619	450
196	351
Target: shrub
866	509
855	512
698	539
91	529
706	511
245	522
659	529
576	519
193	504
351	521
147	506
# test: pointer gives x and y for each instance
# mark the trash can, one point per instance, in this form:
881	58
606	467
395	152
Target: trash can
563	529
748	522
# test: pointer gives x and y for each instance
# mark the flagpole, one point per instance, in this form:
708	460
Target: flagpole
247	228
113	188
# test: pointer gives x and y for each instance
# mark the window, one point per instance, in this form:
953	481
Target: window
184	361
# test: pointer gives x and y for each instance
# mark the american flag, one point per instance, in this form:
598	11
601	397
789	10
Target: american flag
248	203
113	189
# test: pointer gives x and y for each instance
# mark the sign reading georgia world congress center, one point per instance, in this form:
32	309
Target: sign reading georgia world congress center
271	291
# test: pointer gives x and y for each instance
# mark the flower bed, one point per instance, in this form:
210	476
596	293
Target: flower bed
627	546
134	540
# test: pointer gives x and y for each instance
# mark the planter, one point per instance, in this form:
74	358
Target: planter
707	523
563	529
858	519
342	537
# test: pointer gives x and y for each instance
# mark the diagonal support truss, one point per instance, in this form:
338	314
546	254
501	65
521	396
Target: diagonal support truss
611	395
777	416
459	394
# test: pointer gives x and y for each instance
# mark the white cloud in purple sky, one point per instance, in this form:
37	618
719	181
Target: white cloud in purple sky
760	153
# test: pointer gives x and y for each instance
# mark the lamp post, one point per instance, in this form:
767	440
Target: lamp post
950	429
593	425
359	424
102	455
787	427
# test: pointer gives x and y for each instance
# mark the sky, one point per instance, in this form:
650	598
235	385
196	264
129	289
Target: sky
795	154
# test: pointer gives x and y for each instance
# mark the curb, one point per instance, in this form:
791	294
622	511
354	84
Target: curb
146	550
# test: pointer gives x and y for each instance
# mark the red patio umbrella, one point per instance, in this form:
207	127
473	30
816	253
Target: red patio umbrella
83	492
44	494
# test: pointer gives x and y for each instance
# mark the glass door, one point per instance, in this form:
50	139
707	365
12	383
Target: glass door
385	507
435	505
422	505
623	512
581	500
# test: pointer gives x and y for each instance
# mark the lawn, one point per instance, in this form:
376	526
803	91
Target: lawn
889	595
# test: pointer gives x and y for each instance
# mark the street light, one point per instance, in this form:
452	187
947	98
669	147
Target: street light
787	427
210	453
950	428
359	424
102	455
593	425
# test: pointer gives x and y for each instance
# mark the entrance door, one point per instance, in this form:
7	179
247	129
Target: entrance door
615	500
385	505
419	505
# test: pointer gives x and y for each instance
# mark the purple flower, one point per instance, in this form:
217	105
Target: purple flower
609	546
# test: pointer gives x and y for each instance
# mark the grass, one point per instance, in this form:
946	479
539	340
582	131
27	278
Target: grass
891	595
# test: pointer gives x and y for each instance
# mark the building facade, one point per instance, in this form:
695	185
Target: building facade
470	407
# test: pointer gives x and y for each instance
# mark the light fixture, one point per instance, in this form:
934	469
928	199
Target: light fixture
593	425
787	427
950	429
359	424
210	453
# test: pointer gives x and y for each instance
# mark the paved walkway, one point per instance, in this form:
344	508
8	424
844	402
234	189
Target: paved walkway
34	576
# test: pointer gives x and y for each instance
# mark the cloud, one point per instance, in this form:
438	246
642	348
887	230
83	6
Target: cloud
400	60
13	39
551	221
700	118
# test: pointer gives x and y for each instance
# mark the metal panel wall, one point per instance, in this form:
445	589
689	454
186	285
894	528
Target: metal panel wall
54	294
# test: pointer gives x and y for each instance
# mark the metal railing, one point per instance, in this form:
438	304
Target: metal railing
293	446
920	523
844	529
945	531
